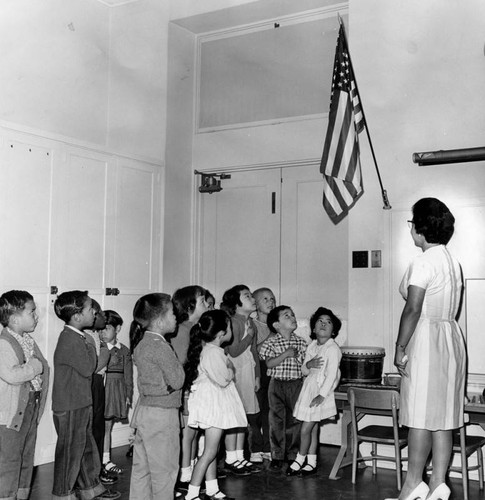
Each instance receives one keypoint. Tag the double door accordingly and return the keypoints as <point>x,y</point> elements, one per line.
<point>268,228</point>
<point>74,218</point>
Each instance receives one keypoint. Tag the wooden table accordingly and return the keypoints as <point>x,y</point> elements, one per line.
<point>475,412</point>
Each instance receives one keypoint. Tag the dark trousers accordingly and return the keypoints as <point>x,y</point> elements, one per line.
<point>76,464</point>
<point>259,434</point>
<point>17,449</point>
<point>285,429</point>
<point>98,413</point>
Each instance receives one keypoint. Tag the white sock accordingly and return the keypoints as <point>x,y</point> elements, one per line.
<point>311,461</point>
<point>298,462</point>
<point>185,474</point>
<point>192,493</point>
<point>231,457</point>
<point>106,457</point>
<point>240,455</point>
<point>211,487</point>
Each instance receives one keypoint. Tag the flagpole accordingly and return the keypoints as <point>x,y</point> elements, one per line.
<point>385,199</point>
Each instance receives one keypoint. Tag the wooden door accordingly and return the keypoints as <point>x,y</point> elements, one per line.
<point>240,233</point>
<point>313,272</point>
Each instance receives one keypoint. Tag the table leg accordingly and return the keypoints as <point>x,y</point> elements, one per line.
<point>344,456</point>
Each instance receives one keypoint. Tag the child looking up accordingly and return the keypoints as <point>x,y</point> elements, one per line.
<point>260,437</point>
<point>189,304</point>
<point>240,304</point>
<point>24,381</point>
<point>77,462</point>
<point>214,402</point>
<point>156,417</point>
<point>97,387</point>
<point>118,384</point>
<point>317,401</point>
<point>283,353</point>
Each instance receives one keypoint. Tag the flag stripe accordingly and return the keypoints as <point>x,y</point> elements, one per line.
<point>340,163</point>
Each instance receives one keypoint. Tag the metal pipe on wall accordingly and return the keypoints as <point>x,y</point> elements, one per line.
<point>449,156</point>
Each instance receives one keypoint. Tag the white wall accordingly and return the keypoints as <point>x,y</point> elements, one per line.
<point>419,67</point>
<point>85,71</point>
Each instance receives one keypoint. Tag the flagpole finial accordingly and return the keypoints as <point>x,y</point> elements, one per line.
<point>340,20</point>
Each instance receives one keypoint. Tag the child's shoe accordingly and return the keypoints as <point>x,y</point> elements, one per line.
<point>308,470</point>
<point>106,478</point>
<point>111,467</point>
<point>237,468</point>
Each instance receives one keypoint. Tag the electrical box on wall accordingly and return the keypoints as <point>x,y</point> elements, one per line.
<point>360,258</point>
<point>375,258</point>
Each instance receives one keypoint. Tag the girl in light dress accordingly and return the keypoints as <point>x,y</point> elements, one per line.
<point>239,303</point>
<point>189,304</point>
<point>118,383</point>
<point>214,403</point>
<point>317,401</point>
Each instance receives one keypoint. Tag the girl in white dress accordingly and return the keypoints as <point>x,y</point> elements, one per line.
<point>214,403</point>
<point>316,401</point>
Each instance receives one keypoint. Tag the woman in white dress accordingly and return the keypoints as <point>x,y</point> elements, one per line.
<point>316,401</point>
<point>214,403</point>
<point>430,351</point>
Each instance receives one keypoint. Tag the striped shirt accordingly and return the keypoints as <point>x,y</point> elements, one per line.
<point>289,368</point>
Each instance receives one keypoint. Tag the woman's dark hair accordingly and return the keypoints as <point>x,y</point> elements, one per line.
<point>13,302</point>
<point>113,318</point>
<point>231,299</point>
<point>433,219</point>
<point>184,301</point>
<point>209,325</point>
<point>323,311</point>
<point>147,309</point>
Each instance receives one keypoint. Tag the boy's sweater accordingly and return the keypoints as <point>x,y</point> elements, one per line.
<point>75,361</point>
<point>15,377</point>
<point>160,373</point>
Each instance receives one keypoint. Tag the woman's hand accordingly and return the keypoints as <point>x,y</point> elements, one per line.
<point>316,362</point>
<point>317,401</point>
<point>400,361</point>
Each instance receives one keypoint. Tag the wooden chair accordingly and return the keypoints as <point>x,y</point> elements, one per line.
<point>466,446</point>
<point>365,401</point>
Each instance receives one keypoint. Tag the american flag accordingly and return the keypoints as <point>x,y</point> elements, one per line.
<point>340,164</point>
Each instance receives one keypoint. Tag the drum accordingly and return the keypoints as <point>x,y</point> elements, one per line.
<point>362,365</point>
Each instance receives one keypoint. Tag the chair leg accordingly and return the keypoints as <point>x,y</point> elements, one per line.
<point>355,452</point>
<point>397,453</point>
<point>464,462</point>
<point>480,468</point>
<point>374,460</point>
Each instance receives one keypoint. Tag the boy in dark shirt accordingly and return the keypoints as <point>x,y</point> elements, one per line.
<point>77,462</point>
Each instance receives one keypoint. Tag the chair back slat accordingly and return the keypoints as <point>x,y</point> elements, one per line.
<point>373,399</point>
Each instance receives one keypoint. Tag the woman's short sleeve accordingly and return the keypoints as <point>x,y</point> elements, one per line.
<point>420,273</point>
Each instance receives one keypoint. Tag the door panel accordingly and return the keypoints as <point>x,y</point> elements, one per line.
<point>240,234</point>
<point>314,269</point>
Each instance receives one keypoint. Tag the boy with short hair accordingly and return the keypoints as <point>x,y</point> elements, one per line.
<point>284,353</point>
<point>259,438</point>
<point>24,381</point>
<point>77,462</point>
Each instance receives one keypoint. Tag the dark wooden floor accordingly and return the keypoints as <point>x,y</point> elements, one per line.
<point>269,485</point>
